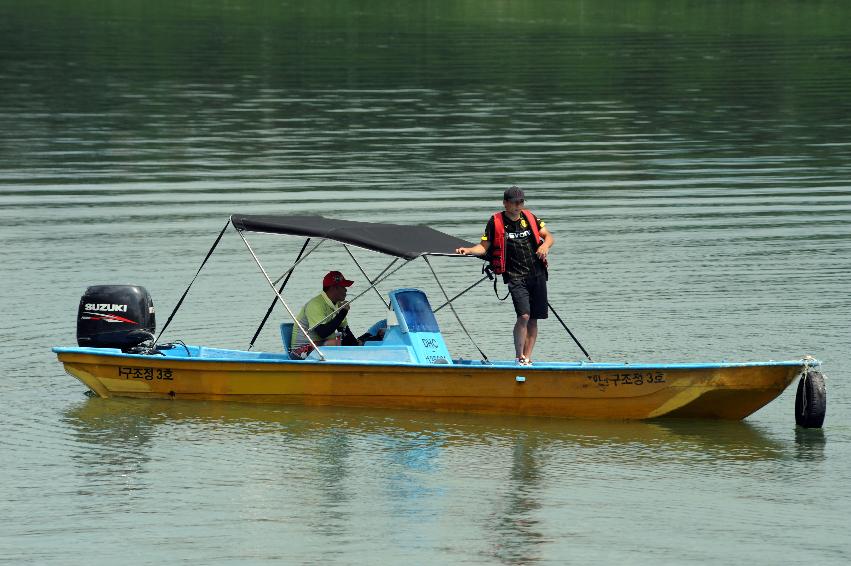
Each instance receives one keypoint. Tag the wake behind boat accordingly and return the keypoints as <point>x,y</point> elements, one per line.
<point>411,367</point>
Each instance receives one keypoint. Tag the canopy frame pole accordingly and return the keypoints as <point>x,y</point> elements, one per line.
<point>377,292</point>
<point>186,292</point>
<point>461,293</point>
<point>298,261</point>
<point>365,291</point>
<point>274,301</point>
<point>452,308</point>
<point>277,294</point>
<point>576,340</point>
<point>389,265</point>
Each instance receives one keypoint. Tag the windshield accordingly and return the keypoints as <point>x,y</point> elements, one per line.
<point>415,309</point>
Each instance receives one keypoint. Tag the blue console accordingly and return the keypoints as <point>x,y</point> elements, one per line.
<point>416,327</point>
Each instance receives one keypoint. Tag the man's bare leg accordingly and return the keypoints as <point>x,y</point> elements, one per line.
<point>531,337</point>
<point>520,334</point>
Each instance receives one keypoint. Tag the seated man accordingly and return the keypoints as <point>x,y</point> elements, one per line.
<point>329,328</point>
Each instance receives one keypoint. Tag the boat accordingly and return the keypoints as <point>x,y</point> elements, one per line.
<point>410,367</point>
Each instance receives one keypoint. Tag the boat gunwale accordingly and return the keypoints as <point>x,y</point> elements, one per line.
<point>476,365</point>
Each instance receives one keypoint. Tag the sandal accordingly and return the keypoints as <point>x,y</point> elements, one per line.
<point>523,361</point>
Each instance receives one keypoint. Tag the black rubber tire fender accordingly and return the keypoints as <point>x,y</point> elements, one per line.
<point>811,400</point>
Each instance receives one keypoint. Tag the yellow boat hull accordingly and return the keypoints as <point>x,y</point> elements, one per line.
<point>593,391</point>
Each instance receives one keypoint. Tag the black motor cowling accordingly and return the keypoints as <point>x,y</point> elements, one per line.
<point>115,316</point>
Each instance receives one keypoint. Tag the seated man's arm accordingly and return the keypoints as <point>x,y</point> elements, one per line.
<point>328,327</point>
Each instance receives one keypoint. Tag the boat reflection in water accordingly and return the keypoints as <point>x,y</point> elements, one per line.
<point>334,465</point>
<point>136,423</point>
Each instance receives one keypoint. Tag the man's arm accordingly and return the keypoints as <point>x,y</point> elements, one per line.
<point>483,246</point>
<point>544,248</point>
<point>325,329</point>
<point>479,249</point>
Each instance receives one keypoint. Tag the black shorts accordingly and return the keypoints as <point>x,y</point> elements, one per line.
<point>530,296</point>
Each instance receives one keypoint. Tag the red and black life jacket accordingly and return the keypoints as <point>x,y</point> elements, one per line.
<point>497,247</point>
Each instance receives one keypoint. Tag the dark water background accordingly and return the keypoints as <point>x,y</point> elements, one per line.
<point>691,158</point>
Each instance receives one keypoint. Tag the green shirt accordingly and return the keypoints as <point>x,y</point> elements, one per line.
<point>316,311</point>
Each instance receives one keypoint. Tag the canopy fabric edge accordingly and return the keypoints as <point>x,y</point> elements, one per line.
<point>399,240</point>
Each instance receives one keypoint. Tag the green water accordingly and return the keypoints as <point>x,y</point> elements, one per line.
<point>691,158</point>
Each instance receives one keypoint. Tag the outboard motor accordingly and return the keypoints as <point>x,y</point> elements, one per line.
<point>115,316</point>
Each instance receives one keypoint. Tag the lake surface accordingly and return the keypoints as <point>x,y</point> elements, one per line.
<point>692,159</point>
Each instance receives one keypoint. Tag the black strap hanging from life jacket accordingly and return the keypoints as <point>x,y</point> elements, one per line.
<point>488,270</point>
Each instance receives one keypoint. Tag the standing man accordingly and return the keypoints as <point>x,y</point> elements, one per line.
<point>516,244</point>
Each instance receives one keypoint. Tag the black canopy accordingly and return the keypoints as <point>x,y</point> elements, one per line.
<point>392,239</point>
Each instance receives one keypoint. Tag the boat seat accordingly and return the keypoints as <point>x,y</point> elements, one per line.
<point>287,334</point>
<point>224,353</point>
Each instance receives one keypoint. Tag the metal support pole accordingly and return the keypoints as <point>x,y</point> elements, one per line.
<point>186,292</point>
<point>351,255</point>
<point>569,332</point>
<point>461,293</point>
<point>281,290</point>
<point>280,298</point>
<point>458,318</point>
<point>290,270</point>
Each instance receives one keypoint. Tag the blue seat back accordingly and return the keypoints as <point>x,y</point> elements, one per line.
<point>287,335</point>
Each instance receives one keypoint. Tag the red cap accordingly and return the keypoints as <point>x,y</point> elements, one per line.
<point>335,278</point>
